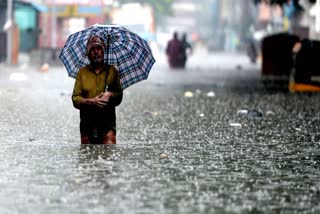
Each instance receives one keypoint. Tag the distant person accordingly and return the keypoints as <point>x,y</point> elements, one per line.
<point>186,50</point>
<point>174,51</point>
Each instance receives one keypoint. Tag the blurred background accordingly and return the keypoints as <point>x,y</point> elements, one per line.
<point>204,138</point>
<point>36,30</point>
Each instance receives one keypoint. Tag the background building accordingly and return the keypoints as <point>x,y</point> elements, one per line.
<point>25,24</point>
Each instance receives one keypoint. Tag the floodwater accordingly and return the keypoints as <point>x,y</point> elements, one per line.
<point>231,148</point>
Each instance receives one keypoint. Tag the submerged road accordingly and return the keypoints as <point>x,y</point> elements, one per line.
<point>232,146</point>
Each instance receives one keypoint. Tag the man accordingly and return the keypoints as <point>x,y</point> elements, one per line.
<point>174,51</point>
<point>97,91</point>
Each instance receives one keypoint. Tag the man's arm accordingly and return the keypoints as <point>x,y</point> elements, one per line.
<point>114,94</point>
<point>76,94</point>
<point>116,98</point>
<point>78,100</point>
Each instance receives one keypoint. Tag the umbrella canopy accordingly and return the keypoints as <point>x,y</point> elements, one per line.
<point>127,51</point>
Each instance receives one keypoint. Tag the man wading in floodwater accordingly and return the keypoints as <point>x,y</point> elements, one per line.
<point>97,91</point>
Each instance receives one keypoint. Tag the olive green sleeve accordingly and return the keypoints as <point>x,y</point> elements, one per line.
<point>115,87</point>
<point>77,92</point>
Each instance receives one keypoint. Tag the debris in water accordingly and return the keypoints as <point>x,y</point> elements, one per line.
<point>254,113</point>
<point>242,111</point>
<point>211,94</point>
<point>163,155</point>
<point>147,113</point>
<point>250,113</point>
<point>269,113</point>
<point>188,94</point>
<point>235,124</point>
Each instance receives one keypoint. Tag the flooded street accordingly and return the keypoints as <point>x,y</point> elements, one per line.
<point>231,146</point>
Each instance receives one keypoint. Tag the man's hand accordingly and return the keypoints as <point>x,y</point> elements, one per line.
<point>105,96</point>
<point>96,101</point>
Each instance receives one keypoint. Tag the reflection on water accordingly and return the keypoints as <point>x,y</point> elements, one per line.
<point>197,177</point>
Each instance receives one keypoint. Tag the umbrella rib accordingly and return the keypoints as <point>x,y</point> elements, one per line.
<point>128,52</point>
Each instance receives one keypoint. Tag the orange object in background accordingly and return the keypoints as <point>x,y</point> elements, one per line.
<point>15,44</point>
<point>300,87</point>
<point>305,76</point>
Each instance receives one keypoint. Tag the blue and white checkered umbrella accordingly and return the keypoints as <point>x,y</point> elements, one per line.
<point>127,51</point>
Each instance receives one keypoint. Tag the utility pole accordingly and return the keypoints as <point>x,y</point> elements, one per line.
<point>9,32</point>
<point>53,26</point>
<point>317,14</point>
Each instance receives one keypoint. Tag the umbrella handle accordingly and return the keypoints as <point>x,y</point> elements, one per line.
<point>108,44</point>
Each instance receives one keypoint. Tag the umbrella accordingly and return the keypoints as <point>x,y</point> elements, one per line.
<point>127,51</point>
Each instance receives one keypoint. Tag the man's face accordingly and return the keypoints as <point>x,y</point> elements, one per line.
<point>96,54</point>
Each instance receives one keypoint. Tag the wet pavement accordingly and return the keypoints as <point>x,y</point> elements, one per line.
<point>231,145</point>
